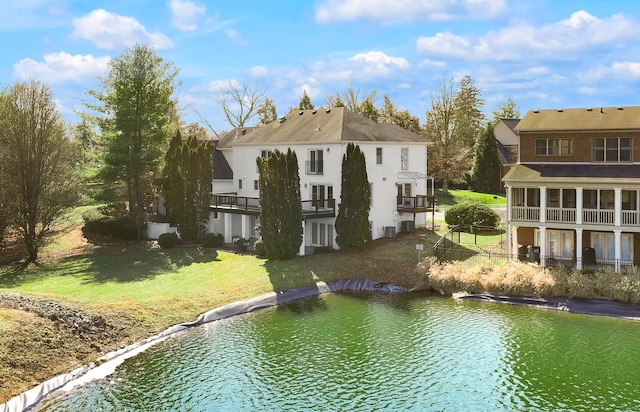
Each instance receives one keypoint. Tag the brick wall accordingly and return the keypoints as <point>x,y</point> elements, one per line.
<point>581,145</point>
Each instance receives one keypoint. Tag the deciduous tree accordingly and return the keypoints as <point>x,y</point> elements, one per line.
<point>352,222</point>
<point>135,106</point>
<point>39,163</point>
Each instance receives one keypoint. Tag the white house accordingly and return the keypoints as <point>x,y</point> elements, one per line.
<point>396,167</point>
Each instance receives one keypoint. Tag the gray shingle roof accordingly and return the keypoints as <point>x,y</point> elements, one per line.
<point>321,126</point>
<point>606,118</point>
<point>565,172</point>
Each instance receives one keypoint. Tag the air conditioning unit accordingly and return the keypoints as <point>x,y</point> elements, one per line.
<point>390,232</point>
<point>406,226</point>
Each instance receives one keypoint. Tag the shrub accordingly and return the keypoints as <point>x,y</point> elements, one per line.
<point>258,246</point>
<point>470,213</point>
<point>98,223</point>
<point>212,240</point>
<point>240,244</point>
<point>167,240</point>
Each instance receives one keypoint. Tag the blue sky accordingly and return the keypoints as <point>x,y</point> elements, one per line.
<point>541,54</point>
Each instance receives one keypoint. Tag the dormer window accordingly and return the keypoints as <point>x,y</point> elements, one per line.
<point>611,149</point>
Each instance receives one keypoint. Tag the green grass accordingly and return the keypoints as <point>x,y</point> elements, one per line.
<point>460,196</point>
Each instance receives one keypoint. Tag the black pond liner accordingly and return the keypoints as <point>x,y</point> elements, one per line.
<point>108,363</point>
<point>586,306</point>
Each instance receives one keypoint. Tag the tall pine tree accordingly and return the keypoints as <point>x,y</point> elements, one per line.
<point>352,223</point>
<point>280,205</point>
<point>485,176</point>
<point>188,174</point>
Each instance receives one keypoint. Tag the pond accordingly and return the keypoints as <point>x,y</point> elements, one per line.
<point>363,351</point>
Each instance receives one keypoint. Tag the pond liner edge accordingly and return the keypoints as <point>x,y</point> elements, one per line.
<point>583,306</point>
<point>109,362</point>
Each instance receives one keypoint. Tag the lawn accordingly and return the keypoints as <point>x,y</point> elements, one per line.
<point>460,196</point>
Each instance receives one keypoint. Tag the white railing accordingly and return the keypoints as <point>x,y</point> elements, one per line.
<point>630,218</point>
<point>604,217</point>
<point>558,214</point>
<point>528,213</point>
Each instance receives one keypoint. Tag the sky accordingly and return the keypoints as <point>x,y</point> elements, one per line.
<point>541,54</point>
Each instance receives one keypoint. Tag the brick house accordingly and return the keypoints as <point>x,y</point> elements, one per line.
<point>573,198</point>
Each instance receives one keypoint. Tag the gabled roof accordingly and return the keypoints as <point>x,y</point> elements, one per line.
<point>321,126</point>
<point>606,118</point>
<point>221,168</point>
<point>511,123</point>
<point>507,155</point>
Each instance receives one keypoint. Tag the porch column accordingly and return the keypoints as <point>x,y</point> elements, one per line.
<point>246,226</point>
<point>618,248</point>
<point>578,205</point>
<point>617,206</point>
<point>543,204</point>
<point>509,244</point>
<point>542,242</point>
<point>579,248</point>
<point>509,204</point>
<point>304,238</point>
<point>228,228</point>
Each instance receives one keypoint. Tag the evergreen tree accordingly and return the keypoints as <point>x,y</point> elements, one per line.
<point>508,110</point>
<point>352,222</point>
<point>188,174</point>
<point>305,102</point>
<point>135,109</point>
<point>486,175</point>
<point>280,205</point>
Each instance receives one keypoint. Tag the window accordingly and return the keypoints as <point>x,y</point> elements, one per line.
<point>554,147</point>
<point>560,243</point>
<point>264,154</point>
<point>321,234</point>
<point>239,184</point>
<point>404,158</point>
<point>598,199</point>
<point>378,155</point>
<point>321,195</point>
<point>604,245</point>
<point>256,185</point>
<point>629,200</point>
<point>611,149</point>
<point>315,165</point>
<point>565,198</point>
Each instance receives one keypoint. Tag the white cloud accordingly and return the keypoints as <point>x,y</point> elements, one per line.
<point>379,64</point>
<point>258,71</point>
<point>631,69</point>
<point>581,33</point>
<point>236,37</point>
<point>113,31</point>
<point>185,15</point>
<point>407,11</point>
<point>62,67</point>
<point>590,91</point>
<point>218,85</point>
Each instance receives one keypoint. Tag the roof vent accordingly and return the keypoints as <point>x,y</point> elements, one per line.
<point>237,135</point>
<point>301,112</point>
<point>601,111</point>
<point>327,111</point>
<point>317,129</point>
<point>560,110</point>
<point>619,108</point>
<point>536,111</point>
<point>282,119</point>
<point>314,111</point>
<point>244,131</point>
<point>589,110</point>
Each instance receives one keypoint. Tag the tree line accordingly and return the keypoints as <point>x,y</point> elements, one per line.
<point>130,140</point>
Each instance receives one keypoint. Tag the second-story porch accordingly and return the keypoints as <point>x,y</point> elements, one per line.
<point>576,206</point>
<point>415,204</point>
<point>232,203</point>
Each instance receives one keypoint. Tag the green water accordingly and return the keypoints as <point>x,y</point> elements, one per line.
<point>381,352</point>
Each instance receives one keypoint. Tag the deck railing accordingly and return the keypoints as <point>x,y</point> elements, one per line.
<point>251,205</point>
<point>569,215</point>
<point>415,204</point>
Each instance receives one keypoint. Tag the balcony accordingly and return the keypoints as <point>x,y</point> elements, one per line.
<point>314,167</point>
<point>415,204</point>
<point>568,215</point>
<point>229,203</point>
